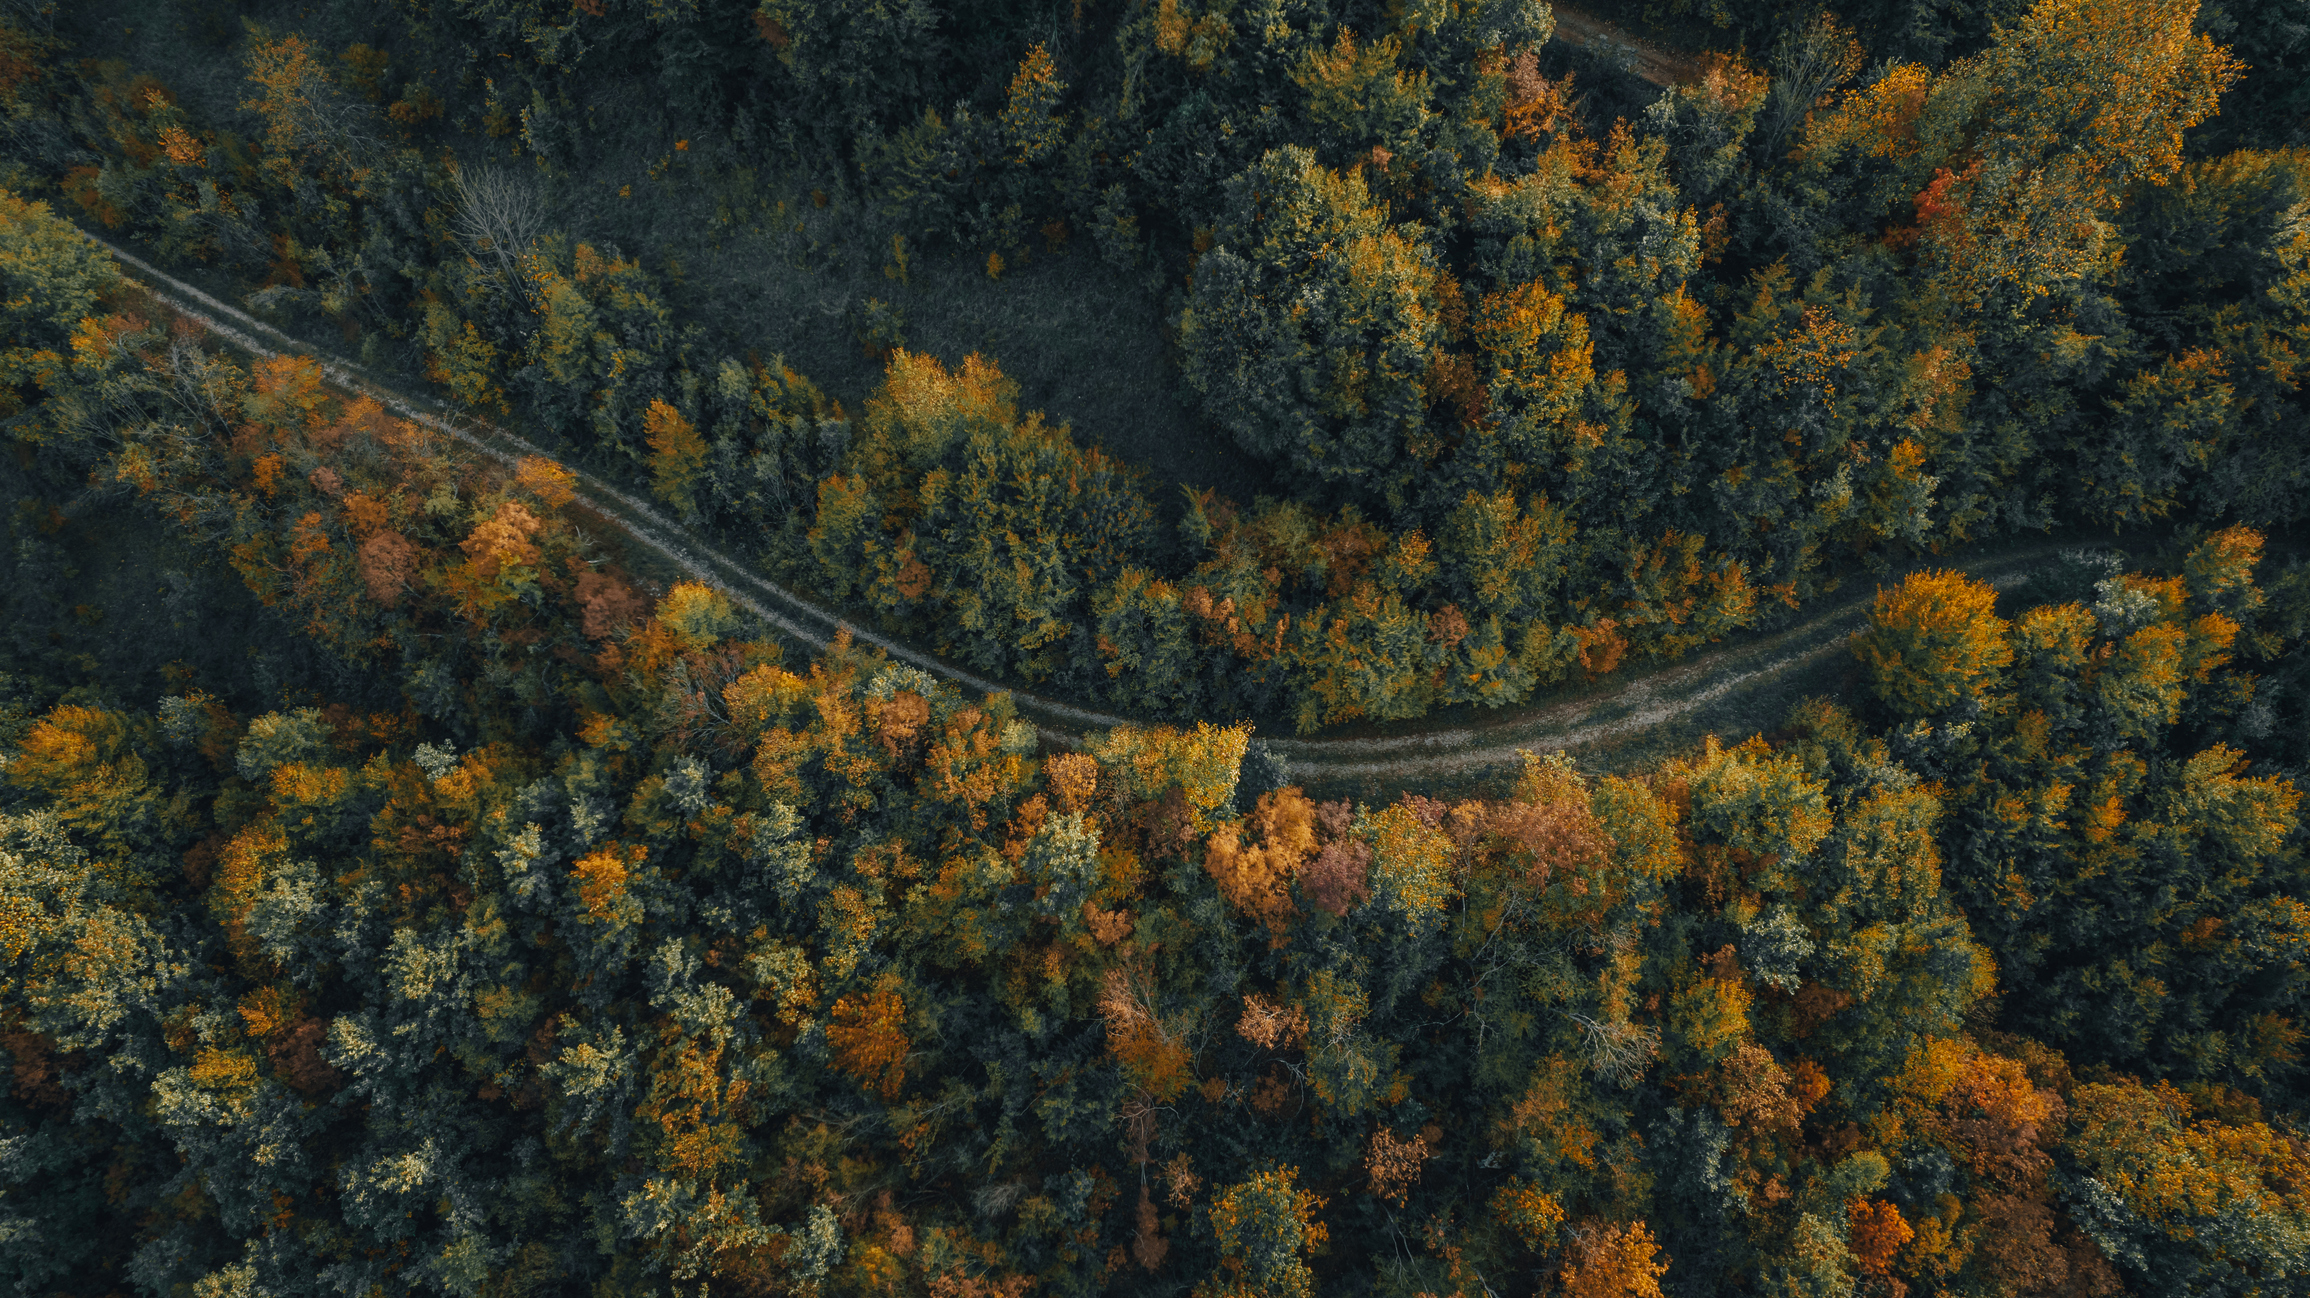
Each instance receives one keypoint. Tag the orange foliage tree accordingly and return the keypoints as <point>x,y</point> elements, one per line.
<point>1612,1261</point>
<point>868,1034</point>
<point>677,454</point>
<point>1256,879</point>
<point>1933,640</point>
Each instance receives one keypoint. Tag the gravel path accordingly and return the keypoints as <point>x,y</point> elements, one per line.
<point>1660,66</point>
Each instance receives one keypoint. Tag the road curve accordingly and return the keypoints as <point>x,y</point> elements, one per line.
<point>1450,750</point>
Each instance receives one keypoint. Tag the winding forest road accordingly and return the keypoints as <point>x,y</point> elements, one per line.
<point>1671,696</point>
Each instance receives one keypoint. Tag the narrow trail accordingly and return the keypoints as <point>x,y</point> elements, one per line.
<point>1631,706</point>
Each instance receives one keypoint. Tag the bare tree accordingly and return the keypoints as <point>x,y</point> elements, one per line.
<point>499,213</point>
<point>1810,62</point>
<point>1617,1050</point>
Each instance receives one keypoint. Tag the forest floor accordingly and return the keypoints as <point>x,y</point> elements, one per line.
<point>1629,720</point>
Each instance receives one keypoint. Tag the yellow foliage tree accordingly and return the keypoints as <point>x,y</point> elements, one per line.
<point>85,759</point>
<point>677,454</point>
<point>1361,94</point>
<point>1530,1212</point>
<point>1146,762</point>
<point>1411,866</point>
<point>601,882</point>
<point>553,485</point>
<point>2078,100</point>
<point>1030,127</point>
<point>2197,1182</point>
<point>1609,1261</point>
<point>1264,1226</point>
<point>460,359</point>
<point>309,129</point>
<point>1933,640</point>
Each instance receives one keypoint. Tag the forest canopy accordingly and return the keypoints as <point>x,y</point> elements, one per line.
<point>410,884</point>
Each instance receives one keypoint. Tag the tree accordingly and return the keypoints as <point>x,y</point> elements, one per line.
<point>1311,324</point>
<point>1873,940</point>
<point>50,282</point>
<point>677,453</point>
<point>1256,878</point>
<point>993,530</point>
<point>2213,282</point>
<point>1030,124</point>
<point>1145,642</point>
<point>1933,641</point>
<point>868,1034</point>
<point>1411,874</point>
<point>309,125</point>
<point>1360,99</point>
<point>87,763</point>
<point>2199,1203</point>
<point>1202,764</point>
<point>1372,655</point>
<point>1263,1226</point>
<point>1612,1261</point>
<point>2075,102</point>
<point>499,214</point>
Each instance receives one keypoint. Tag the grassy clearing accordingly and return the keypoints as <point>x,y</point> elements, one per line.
<point>783,275</point>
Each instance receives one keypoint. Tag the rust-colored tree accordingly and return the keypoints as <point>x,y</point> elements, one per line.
<point>677,455</point>
<point>868,1034</point>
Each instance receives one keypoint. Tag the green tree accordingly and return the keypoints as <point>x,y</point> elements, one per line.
<point>1263,1226</point>
<point>1312,322</point>
<point>50,282</point>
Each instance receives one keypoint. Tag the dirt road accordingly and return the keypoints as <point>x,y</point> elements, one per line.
<point>1661,67</point>
<point>1632,705</point>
